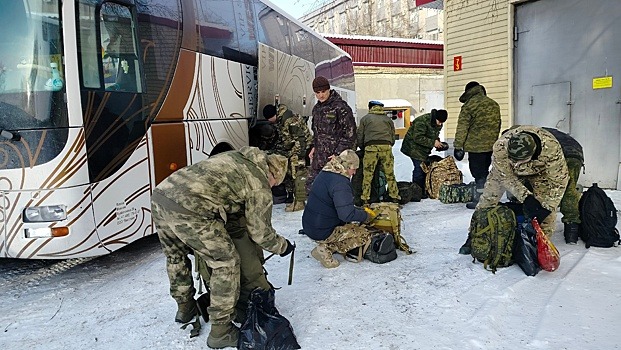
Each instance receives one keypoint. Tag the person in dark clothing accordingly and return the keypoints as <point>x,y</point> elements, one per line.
<point>330,216</point>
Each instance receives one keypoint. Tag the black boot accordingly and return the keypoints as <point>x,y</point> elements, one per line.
<point>465,249</point>
<point>572,231</point>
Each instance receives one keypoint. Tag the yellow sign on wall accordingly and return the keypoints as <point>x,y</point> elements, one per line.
<point>602,83</point>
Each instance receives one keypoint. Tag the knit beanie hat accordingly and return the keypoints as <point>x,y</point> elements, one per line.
<point>320,84</point>
<point>349,159</point>
<point>471,85</point>
<point>521,146</point>
<point>277,166</point>
<point>269,111</point>
<point>438,114</point>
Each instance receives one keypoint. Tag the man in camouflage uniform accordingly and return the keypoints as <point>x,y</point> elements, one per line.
<point>478,126</point>
<point>422,135</point>
<point>376,136</point>
<point>334,127</point>
<point>294,141</point>
<point>574,156</point>
<point>216,209</point>
<point>528,162</point>
<point>330,217</point>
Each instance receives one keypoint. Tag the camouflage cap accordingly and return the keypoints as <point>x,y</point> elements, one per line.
<point>277,166</point>
<point>521,146</point>
<point>349,159</point>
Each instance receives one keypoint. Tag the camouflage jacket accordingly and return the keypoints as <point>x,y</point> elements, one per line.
<point>231,183</point>
<point>420,138</point>
<point>376,128</point>
<point>547,172</point>
<point>478,124</point>
<point>334,128</point>
<point>295,137</point>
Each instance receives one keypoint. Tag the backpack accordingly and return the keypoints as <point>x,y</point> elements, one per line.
<point>442,172</point>
<point>598,217</point>
<point>492,234</point>
<point>379,249</point>
<point>389,220</point>
<point>457,193</point>
<point>409,192</point>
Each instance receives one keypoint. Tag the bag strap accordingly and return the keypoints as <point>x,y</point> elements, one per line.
<point>361,251</point>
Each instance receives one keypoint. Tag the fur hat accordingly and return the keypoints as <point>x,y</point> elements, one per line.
<point>349,159</point>
<point>320,84</point>
<point>277,166</point>
<point>470,85</point>
<point>521,146</point>
<point>269,111</point>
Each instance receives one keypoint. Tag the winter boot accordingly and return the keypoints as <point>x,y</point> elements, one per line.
<point>477,194</point>
<point>186,311</point>
<point>465,249</point>
<point>572,231</point>
<point>324,255</point>
<point>223,336</point>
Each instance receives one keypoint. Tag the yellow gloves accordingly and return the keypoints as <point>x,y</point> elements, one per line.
<point>371,213</point>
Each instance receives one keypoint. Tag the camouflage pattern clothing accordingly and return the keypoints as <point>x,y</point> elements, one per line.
<point>347,237</point>
<point>376,135</point>
<point>478,124</point>
<point>294,143</point>
<point>191,211</point>
<point>334,130</point>
<point>421,137</point>
<point>546,174</point>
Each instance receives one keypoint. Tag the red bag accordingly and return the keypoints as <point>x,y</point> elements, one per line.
<point>547,254</point>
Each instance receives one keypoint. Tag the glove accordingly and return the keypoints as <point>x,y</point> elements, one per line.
<point>289,249</point>
<point>533,209</point>
<point>444,147</point>
<point>459,154</point>
<point>371,213</point>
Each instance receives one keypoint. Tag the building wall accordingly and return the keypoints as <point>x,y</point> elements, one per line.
<point>390,18</point>
<point>480,32</point>
<point>422,87</point>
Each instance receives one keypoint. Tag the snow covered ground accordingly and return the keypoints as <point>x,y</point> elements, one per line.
<point>433,299</point>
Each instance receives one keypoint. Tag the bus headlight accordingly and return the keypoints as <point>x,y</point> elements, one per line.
<point>46,213</point>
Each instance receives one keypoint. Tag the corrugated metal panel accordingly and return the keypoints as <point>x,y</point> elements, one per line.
<point>381,53</point>
<point>478,31</point>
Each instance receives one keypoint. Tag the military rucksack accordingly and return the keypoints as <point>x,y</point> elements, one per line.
<point>598,217</point>
<point>492,233</point>
<point>457,193</point>
<point>442,172</point>
<point>389,220</point>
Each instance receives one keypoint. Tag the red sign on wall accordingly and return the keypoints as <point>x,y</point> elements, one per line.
<point>457,63</point>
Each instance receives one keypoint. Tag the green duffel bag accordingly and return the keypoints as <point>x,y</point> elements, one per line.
<point>457,193</point>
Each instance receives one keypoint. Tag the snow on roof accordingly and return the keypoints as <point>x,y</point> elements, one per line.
<point>382,38</point>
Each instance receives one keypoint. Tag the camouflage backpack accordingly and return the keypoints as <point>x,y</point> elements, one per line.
<point>442,172</point>
<point>492,231</point>
<point>389,220</point>
<point>457,193</point>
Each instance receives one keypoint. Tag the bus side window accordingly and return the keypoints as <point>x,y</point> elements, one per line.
<point>121,66</point>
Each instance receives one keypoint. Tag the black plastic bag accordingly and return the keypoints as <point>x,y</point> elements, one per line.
<point>525,249</point>
<point>265,328</point>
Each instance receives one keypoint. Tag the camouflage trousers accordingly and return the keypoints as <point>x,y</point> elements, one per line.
<point>182,234</point>
<point>347,237</point>
<point>375,155</point>
<point>295,180</point>
<point>571,197</point>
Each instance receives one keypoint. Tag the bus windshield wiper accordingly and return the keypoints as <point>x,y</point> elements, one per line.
<point>10,135</point>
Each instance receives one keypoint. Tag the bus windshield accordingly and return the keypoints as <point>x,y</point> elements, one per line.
<point>31,66</point>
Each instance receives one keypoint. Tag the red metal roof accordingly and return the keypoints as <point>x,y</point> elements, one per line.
<point>391,52</point>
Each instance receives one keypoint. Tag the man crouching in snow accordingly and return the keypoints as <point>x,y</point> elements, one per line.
<point>330,216</point>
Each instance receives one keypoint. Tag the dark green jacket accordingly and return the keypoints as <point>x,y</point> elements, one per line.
<point>420,138</point>
<point>478,125</point>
